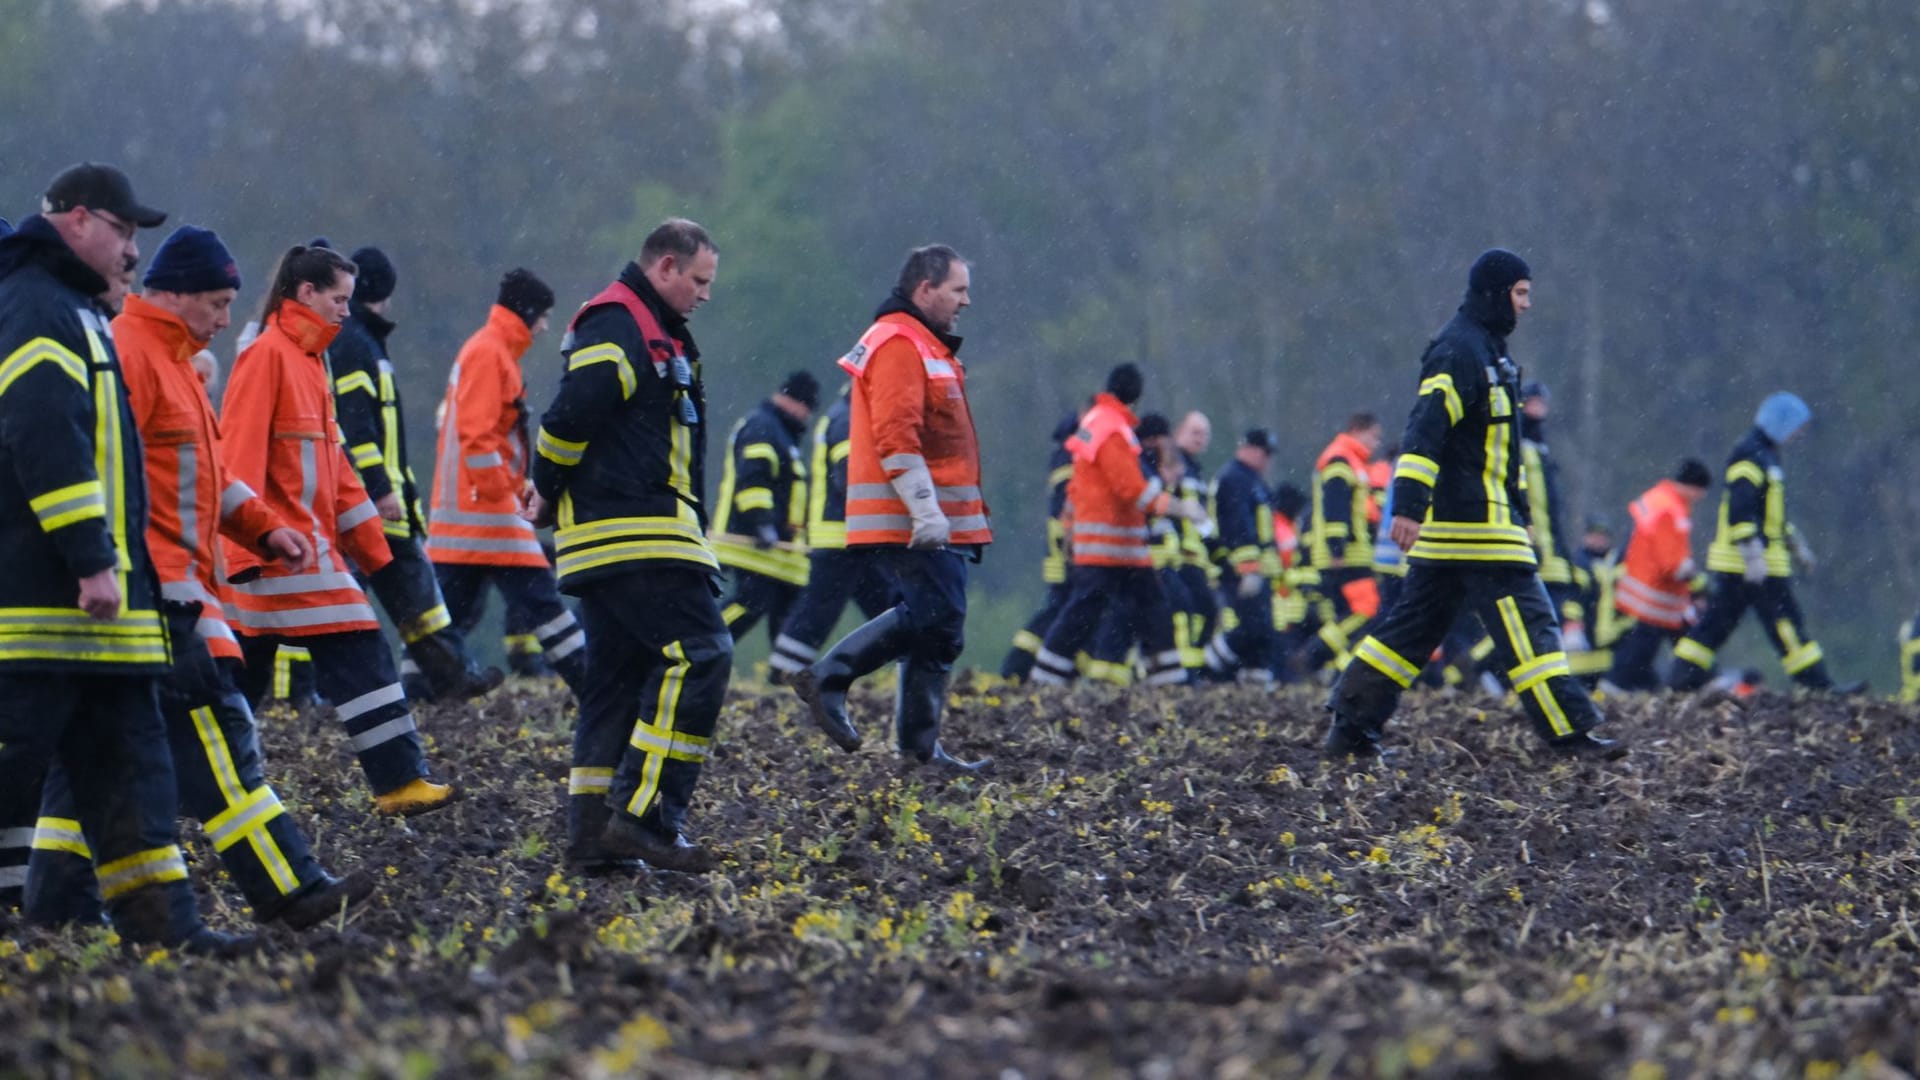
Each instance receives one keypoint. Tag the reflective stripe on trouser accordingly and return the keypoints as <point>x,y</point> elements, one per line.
<point>532,599</point>
<point>355,672</point>
<point>756,597</point>
<point>292,674</point>
<point>1251,640</point>
<point>1026,643</point>
<point>1339,626</point>
<point>1127,604</point>
<point>834,576</point>
<point>658,660</point>
<point>1728,598</point>
<point>107,735</point>
<point>1521,622</point>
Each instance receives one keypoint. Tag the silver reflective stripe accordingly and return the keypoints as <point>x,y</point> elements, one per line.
<point>871,491</point>
<point>13,877</point>
<point>80,648</point>
<point>450,444</point>
<point>856,522</point>
<point>476,518</point>
<point>186,592</point>
<point>484,461</point>
<point>903,461</point>
<point>966,521</point>
<point>325,581</point>
<point>234,497</point>
<point>18,837</point>
<point>398,728</point>
<point>1167,678</point>
<point>558,624</point>
<point>1113,551</point>
<point>212,629</point>
<point>1154,488</point>
<point>567,646</point>
<point>794,647</point>
<point>966,493</point>
<point>309,486</point>
<point>266,806</point>
<point>293,620</point>
<point>189,518</point>
<point>366,703</point>
<point>518,546</point>
<point>357,515</point>
<point>1095,528</point>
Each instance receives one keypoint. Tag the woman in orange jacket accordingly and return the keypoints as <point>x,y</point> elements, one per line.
<point>282,441</point>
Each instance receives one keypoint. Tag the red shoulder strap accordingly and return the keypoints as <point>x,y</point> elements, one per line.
<point>650,329</point>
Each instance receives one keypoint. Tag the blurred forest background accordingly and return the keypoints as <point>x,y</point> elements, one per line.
<point>1269,204</point>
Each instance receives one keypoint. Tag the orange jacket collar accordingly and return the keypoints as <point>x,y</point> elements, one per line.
<point>163,326</point>
<point>1344,446</point>
<point>1111,402</point>
<point>513,330</point>
<point>304,327</point>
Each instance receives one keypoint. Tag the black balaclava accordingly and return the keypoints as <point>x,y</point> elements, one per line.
<point>1489,287</point>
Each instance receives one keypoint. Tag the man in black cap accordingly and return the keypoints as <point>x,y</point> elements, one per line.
<point>84,640</point>
<point>1243,545</point>
<point>437,664</point>
<point>1461,515</point>
<point>759,520</point>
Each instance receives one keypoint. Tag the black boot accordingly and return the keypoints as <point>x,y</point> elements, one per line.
<point>1587,744</point>
<point>918,705</point>
<point>322,900</point>
<point>587,817</point>
<point>628,837</point>
<point>1349,739</point>
<point>164,915</point>
<point>823,684</point>
<point>451,675</point>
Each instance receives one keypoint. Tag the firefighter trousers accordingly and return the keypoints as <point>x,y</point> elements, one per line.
<point>105,733</point>
<point>1253,643</point>
<point>1636,653</point>
<point>834,576</point>
<point>1728,598</point>
<point>354,670</point>
<point>1201,615</point>
<point>1130,599</point>
<point>1338,623</point>
<point>534,607</point>
<point>219,771</point>
<point>658,660</point>
<point>1026,643</point>
<point>408,589</point>
<point>756,597</point>
<point>1526,646</point>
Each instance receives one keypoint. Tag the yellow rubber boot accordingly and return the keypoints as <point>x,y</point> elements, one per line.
<point>418,796</point>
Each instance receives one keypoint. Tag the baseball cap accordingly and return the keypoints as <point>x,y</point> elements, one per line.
<point>100,187</point>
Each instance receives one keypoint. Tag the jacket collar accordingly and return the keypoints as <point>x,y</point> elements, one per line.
<point>511,329</point>
<point>898,303</point>
<point>1346,446</point>
<point>794,426</point>
<point>378,325</point>
<point>674,323</point>
<point>37,243</point>
<point>1104,400</point>
<point>308,332</point>
<point>162,326</point>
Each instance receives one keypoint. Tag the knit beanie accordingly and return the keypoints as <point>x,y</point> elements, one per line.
<point>1125,383</point>
<point>1496,271</point>
<point>802,387</point>
<point>192,260</point>
<point>524,294</point>
<point>1152,426</point>
<point>1693,473</point>
<point>376,278</point>
<point>1781,415</point>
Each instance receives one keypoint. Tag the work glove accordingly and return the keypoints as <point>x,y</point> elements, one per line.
<point>930,526</point>
<point>766,536</point>
<point>1687,571</point>
<point>1205,528</point>
<point>1754,554</point>
<point>1802,551</point>
<point>1190,510</point>
<point>1250,585</point>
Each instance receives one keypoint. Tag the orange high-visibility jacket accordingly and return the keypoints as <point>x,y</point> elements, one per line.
<point>483,453</point>
<point>282,441</point>
<point>191,497</point>
<point>910,408</point>
<point>1650,588</point>
<point>1110,498</point>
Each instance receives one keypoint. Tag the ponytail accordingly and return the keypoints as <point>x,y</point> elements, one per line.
<point>317,266</point>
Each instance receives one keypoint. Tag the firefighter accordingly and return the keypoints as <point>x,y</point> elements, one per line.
<point>760,520</point>
<point>190,288</point>
<point>1460,514</point>
<point>1196,568</point>
<point>1339,546</point>
<point>437,664</point>
<point>1053,567</point>
<point>620,464</point>
<point>1544,504</point>
<point>1654,589</point>
<point>84,638</point>
<point>1112,502</point>
<point>281,441</point>
<point>914,507</point>
<point>834,575</point>
<point>1292,580</point>
<point>477,539</point>
<point>1110,657</point>
<point>1750,562</point>
<point>1244,543</point>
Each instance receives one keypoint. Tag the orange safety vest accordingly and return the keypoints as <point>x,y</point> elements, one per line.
<point>283,441</point>
<point>1650,589</point>
<point>483,453</point>
<point>192,499</point>
<point>1110,498</point>
<point>910,408</point>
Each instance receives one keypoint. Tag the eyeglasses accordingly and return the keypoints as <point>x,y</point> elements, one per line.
<point>124,228</point>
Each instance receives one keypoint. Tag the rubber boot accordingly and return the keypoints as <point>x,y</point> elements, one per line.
<point>450,674</point>
<point>823,684</point>
<point>587,817</point>
<point>1587,744</point>
<point>322,900</point>
<point>628,837</point>
<point>1349,739</point>
<point>164,915</point>
<point>417,796</point>
<point>918,704</point>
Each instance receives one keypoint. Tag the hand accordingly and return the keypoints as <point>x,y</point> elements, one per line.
<point>537,510</point>
<point>291,548</point>
<point>1404,532</point>
<point>931,529</point>
<point>765,537</point>
<point>100,595</point>
<point>1250,586</point>
<point>1687,572</point>
<point>1190,509</point>
<point>930,533</point>
<point>1802,551</point>
<point>389,507</point>
<point>1753,553</point>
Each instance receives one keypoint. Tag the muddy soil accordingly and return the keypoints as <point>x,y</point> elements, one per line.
<point>1161,884</point>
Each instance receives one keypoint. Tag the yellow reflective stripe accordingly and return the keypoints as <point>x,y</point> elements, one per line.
<point>1413,467</point>
<point>75,502</point>
<point>61,834</point>
<point>791,567</point>
<point>680,461</point>
<point>154,866</point>
<point>1443,384</point>
<point>366,456</point>
<point>219,756</point>
<point>1693,653</point>
<point>1802,658</point>
<point>609,528</point>
<point>1749,471</point>
<point>1545,667</point>
<point>761,450</point>
<point>606,353</point>
<point>664,711</point>
<point>1538,670</point>
<point>1387,662</point>
<point>590,780</point>
<point>1743,530</point>
<point>634,551</point>
<point>41,350</point>
<point>354,380</point>
<point>1471,530</point>
<point>754,499</point>
<point>431,621</point>
<point>558,450</point>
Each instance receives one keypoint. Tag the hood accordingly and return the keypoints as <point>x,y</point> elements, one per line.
<point>378,325</point>
<point>37,242</point>
<point>898,302</point>
<point>1491,310</point>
